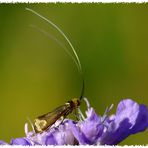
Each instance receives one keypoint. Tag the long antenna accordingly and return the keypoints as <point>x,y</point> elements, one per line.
<point>57,41</point>
<point>70,44</point>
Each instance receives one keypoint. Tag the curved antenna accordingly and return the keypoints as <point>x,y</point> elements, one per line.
<point>57,41</point>
<point>62,33</point>
<point>66,38</point>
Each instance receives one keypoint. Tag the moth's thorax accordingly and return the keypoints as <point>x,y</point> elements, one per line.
<point>74,103</point>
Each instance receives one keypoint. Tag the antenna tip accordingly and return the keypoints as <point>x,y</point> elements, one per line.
<point>28,9</point>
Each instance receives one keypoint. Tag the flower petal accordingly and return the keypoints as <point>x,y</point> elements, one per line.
<point>50,140</point>
<point>64,135</point>
<point>92,126</point>
<point>130,118</point>
<point>81,138</point>
<point>89,130</point>
<point>141,121</point>
<point>3,143</point>
<point>20,141</point>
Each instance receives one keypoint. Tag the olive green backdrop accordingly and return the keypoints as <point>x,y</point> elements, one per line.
<point>37,75</point>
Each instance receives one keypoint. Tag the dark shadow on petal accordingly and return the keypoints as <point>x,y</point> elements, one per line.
<point>79,135</point>
<point>50,140</point>
<point>141,121</point>
<point>114,137</point>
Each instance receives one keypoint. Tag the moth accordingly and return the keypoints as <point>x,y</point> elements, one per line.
<point>44,122</point>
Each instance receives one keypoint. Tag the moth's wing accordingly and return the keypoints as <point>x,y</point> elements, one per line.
<point>57,111</point>
<point>56,114</point>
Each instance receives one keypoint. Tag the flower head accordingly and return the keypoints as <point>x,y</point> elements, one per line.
<point>130,118</point>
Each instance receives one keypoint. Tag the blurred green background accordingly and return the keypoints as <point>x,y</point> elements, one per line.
<point>37,75</point>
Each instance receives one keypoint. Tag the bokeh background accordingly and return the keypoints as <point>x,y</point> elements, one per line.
<point>37,75</point>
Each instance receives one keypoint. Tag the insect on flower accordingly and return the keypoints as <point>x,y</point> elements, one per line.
<point>44,122</point>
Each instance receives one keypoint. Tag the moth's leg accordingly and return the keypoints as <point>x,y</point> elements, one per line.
<point>64,116</point>
<point>62,119</point>
<point>77,115</point>
<point>60,122</point>
<point>54,126</point>
<point>80,114</point>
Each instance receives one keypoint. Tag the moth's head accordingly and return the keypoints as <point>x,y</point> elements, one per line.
<point>75,102</point>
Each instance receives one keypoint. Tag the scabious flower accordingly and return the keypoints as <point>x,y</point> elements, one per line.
<point>130,118</point>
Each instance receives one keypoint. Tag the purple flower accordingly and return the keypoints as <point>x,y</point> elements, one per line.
<point>130,118</point>
<point>61,135</point>
<point>3,142</point>
<point>88,131</point>
<point>20,141</point>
